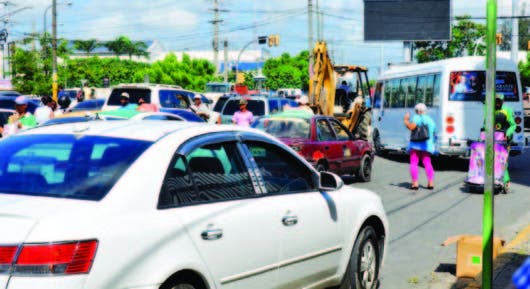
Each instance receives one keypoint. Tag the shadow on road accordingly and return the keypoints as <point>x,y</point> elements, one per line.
<point>440,163</point>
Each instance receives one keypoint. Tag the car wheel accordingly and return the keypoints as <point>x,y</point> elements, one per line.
<point>364,173</point>
<point>178,285</point>
<point>363,268</point>
<point>377,144</point>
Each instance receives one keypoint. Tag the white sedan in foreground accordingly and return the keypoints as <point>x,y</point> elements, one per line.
<point>175,205</point>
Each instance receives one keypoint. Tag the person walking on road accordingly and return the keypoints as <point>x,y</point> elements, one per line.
<point>421,145</point>
<point>244,116</point>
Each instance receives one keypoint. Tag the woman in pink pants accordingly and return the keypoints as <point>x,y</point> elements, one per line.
<point>421,150</point>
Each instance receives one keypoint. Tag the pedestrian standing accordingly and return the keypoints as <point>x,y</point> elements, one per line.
<point>44,112</point>
<point>421,145</point>
<point>21,119</point>
<point>87,92</point>
<point>244,116</point>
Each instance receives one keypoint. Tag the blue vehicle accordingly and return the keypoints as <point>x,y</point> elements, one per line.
<point>89,104</point>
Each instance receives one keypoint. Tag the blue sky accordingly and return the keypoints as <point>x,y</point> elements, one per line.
<point>181,24</point>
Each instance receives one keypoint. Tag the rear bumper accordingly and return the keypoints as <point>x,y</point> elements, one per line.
<point>47,282</point>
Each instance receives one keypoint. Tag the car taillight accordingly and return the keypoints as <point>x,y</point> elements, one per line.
<point>7,254</point>
<point>56,258</point>
<point>518,120</point>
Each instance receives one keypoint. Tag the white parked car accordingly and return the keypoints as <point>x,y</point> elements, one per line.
<point>178,205</point>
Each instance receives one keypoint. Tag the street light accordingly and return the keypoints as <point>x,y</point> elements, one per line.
<point>44,27</point>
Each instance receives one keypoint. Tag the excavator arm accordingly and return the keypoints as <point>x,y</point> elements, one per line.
<point>322,81</point>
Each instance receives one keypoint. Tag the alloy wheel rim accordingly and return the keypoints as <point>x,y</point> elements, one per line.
<point>367,265</point>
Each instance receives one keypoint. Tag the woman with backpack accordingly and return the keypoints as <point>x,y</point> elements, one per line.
<point>421,145</point>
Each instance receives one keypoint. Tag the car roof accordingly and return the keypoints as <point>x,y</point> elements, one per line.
<point>147,130</point>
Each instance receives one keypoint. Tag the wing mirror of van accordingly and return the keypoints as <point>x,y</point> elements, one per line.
<point>330,181</point>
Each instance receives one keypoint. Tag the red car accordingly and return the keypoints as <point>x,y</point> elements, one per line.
<point>323,141</point>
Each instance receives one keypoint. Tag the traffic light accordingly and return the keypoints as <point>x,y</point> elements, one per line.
<point>498,38</point>
<point>274,40</point>
<point>262,39</point>
<point>528,44</point>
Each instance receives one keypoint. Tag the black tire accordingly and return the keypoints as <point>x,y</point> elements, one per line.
<point>377,144</point>
<point>365,255</point>
<point>364,174</point>
<point>178,285</point>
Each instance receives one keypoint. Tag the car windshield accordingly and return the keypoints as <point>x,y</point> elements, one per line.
<point>65,166</point>
<point>284,127</point>
<point>470,85</point>
<point>134,95</point>
<point>256,106</point>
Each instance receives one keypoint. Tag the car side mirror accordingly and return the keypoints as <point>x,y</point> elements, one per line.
<point>330,181</point>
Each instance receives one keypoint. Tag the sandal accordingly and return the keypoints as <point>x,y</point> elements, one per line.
<point>430,188</point>
<point>414,188</point>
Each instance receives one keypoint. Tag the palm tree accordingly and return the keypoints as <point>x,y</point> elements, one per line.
<point>137,48</point>
<point>119,46</point>
<point>86,45</point>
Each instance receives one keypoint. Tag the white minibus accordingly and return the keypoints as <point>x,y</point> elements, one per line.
<point>454,92</point>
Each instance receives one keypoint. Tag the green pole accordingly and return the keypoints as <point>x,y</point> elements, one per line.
<point>489,182</point>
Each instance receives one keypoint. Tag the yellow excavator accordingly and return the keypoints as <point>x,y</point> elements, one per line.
<point>347,105</point>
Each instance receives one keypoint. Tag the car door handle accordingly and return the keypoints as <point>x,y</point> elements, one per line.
<point>290,220</point>
<point>212,234</point>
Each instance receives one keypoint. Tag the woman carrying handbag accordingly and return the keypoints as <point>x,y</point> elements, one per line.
<point>421,145</point>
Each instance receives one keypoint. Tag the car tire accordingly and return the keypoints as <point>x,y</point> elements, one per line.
<point>377,144</point>
<point>178,285</point>
<point>363,268</point>
<point>364,174</point>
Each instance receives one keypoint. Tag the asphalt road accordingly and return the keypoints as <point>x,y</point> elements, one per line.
<point>421,220</point>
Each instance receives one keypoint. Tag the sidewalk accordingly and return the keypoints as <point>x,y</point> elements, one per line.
<point>511,258</point>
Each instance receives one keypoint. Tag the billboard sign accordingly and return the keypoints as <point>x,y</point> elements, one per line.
<point>407,20</point>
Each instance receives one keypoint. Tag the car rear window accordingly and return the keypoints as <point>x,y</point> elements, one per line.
<point>134,95</point>
<point>65,166</point>
<point>175,98</point>
<point>219,104</point>
<point>256,106</point>
<point>284,127</point>
<point>89,105</point>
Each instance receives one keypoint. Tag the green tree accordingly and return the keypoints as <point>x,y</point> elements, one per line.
<point>287,71</point>
<point>466,40</point>
<point>119,46</point>
<point>189,73</point>
<point>86,46</point>
<point>139,49</point>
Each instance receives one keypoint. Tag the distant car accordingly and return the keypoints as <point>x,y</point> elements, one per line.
<point>175,205</point>
<point>88,105</point>
<point>163,96</point>
<point>323,141</point>
<point>8,102</point>
<point>11,93</point>
<point>108,115</point>
<point>258,105</point>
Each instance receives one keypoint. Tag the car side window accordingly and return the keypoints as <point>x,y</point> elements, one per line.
<point>281,171</point>
<point>324,132</point>
<point>340,131</point>
<point>208,174</point>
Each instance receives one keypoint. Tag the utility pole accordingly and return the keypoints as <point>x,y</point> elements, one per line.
<point>310,26</point>
<point>225,44</point>
<point>54,50</point>
<point>515,31</point>
<point>215,43</point>
<point>319,38</point>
